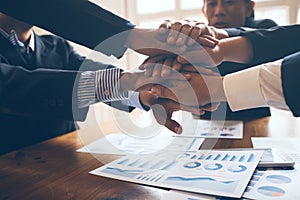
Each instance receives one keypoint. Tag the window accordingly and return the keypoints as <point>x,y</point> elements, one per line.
<point>151,13</point>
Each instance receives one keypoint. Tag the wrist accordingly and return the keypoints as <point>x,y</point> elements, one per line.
<point>147,99</point>
<point>220,33</point>
<point>236,49</point>
<point>217,91</point>
<point>127,82</point>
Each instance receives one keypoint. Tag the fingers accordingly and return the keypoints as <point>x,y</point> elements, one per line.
<point>176,65</point>
<point>192,109</point>
<point>160,66</point>
<point>211,107</point>
<point>194,34</point>
<point>151,60</point>
<point>163,92</point>
<point>200,57</point>
<point>200,70</point>
<point>163,28</point>
<point>207,41</point>
<point>162,111</point>
<point>183,35</point>
<point>166,68</point>
<point>173,125</point>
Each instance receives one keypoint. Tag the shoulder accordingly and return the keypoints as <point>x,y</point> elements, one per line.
<point>261,23</point>
<point>52,40</point>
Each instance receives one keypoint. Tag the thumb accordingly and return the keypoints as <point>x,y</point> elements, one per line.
<point>163,117</point>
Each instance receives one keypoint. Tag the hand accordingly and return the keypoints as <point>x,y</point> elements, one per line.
<point>197,32</point>
<point>164,108</point>
<point>199,91</point>
<point>139,82</point>
<point>151,42</point>
<point>203,56</point>
<point>162,66</point>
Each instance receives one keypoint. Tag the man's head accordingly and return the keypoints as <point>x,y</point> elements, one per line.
<point>227,13</point>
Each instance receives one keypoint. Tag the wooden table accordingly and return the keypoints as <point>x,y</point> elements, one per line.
<point>54,170</point>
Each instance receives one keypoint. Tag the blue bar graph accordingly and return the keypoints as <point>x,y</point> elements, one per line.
<point>242,158</point>
<point>201,157</point>
<point>144,165</point>
<point>225,158</point>
<point>157,165</point>
<point>122,162</point>
<point>233,158</point>
<point>251,157</point>
<point>208,157</point>
<point>134,163</point>
<point>217,157</point>
<point>168,166</point>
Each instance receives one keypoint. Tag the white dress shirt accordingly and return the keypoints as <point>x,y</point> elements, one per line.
<point>258,86</point>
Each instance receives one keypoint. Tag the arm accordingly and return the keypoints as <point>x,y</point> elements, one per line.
<point>290,82</point>
<point>84,22</point>
<point>40,96</point>
<point>88,24</point>
<point>272,84</point>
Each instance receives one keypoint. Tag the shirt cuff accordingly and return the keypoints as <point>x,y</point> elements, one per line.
<point>242,89</point>
<point>134,100</point>
<point>86,92</point>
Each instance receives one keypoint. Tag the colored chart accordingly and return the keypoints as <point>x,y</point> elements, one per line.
<point>279,179</point>
<point>208,171</point>
<point>192,165</point>
<point>213,167</point>
<point>237,169</point>
<point>271,191</point>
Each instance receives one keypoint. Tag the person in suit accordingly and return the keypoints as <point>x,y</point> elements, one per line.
<point>234,14</point>
<point>32,106</point>
<point>87,24</point>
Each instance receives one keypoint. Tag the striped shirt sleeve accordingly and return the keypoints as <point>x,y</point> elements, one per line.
<point>100,86</point>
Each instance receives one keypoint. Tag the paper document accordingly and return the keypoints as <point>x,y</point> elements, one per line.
<point>279,183</point>
<point>222,173</point>
<point>124,145</point>
<point>214,129</point>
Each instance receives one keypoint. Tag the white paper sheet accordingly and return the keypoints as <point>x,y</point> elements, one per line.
<point>276,183</point>
<point>124,145</point>
<point>214,129</point>
<point>222,173</point>
<point>289,145</point>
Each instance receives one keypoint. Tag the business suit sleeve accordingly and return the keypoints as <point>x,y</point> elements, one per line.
<point>274,43</point>
<point>78,62</point>
<point>41,92</point>
<point>80,21</point>
<point>290,72</point>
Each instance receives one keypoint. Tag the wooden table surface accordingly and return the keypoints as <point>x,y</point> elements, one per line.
<point>54,170</point>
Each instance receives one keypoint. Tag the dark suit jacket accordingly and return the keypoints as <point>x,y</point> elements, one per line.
<point>36,93</point>
<point>48,92</point>
<point>277,43</point>
<point>224,111</point>
<point>77,20</point>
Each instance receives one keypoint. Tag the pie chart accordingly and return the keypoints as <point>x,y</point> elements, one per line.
<point>271,191</point>
<point>237,169</point>
<point>213,167</point>
<point>279,179</point>
<point>191,165</point>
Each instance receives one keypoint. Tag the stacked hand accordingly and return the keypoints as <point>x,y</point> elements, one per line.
<point>174,74</point>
